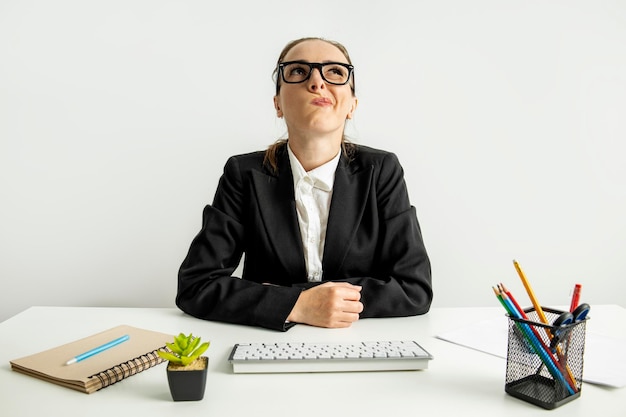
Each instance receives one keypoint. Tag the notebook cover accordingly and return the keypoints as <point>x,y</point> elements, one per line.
<point>101,370</point>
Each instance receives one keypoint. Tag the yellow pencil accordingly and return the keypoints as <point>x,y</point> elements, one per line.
<point>531,294</point>
<point>541,314</point>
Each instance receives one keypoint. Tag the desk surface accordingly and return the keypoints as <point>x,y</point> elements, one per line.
<point>459,380</point>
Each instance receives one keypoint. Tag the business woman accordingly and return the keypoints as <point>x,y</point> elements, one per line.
<point>326,226</point>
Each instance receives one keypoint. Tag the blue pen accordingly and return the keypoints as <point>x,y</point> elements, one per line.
<point>97,350</point>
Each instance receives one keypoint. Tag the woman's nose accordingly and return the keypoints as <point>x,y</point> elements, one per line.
<point>315,80</point>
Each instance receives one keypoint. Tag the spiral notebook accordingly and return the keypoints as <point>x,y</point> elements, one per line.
<point>101,370</point>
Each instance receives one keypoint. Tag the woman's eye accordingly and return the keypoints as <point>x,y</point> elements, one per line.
<point>336,71</point>
<point>296,70</point>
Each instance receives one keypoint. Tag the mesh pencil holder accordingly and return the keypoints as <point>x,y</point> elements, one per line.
<point>544,363</point>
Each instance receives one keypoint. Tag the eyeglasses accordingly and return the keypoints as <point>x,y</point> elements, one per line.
<point>294,72</point>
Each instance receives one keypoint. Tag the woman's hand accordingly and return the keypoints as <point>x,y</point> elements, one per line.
<point>332,304</point>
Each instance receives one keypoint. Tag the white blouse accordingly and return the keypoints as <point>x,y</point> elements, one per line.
<point>313,191</point>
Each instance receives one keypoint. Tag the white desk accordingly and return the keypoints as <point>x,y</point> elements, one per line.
<point>459,381</point>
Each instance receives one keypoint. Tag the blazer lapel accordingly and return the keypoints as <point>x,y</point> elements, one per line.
<point>278,210</point>
<point>350,191</point>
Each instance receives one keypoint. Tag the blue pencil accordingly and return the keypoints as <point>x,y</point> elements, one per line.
<point>97,350</point>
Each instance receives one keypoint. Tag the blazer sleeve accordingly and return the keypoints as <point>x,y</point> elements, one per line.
<point>206,287</point>
<point>403,286</point>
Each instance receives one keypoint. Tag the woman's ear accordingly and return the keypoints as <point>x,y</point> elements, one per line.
<point>353,108</point>
<point>279,112</point>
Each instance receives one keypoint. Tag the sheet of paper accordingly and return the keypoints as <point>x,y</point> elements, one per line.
<point>490,336</point>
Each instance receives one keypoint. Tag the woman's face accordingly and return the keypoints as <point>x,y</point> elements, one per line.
<point>315,107</point>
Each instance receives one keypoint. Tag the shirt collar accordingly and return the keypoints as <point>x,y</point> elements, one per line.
<point>323,176</point>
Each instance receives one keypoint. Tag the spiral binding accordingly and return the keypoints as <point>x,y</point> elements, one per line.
<point>129,368</point>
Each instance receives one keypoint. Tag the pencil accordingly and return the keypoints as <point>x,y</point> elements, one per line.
<point>575,298</point>
<point>531,293</point>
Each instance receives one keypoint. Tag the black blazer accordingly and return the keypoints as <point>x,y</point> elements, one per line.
<point>373,239</point>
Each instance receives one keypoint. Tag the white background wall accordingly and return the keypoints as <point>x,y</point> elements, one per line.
<point>116,118</point>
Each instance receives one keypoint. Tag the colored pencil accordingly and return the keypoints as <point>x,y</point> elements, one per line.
<point>575,298</point>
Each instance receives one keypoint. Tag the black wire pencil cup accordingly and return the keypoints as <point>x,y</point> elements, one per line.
<point>545,348</point>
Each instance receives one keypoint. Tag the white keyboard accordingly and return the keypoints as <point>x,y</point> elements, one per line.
<point>328,357</point>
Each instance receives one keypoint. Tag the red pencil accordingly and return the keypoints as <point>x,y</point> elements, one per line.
<point>517,306</point>
<point>575,298</point>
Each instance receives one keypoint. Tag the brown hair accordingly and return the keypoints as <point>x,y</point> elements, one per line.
<point>271,153</point>
<point>347,148</point>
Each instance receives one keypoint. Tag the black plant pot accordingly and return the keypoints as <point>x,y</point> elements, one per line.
<point>188,385</point>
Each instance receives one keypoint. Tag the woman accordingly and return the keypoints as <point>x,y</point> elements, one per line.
<point>327,229</point>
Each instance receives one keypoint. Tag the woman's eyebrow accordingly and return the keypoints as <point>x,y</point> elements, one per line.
<point>326,61</point>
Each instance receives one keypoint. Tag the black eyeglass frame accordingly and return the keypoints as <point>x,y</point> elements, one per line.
<point>313,65</point>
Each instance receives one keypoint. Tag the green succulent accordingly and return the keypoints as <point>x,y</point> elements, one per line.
<point>184,350</point>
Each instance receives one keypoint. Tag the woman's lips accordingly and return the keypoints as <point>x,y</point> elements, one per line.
<point>321,101</point>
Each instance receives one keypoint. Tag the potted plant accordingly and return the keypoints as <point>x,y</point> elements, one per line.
<point>187,369</point>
